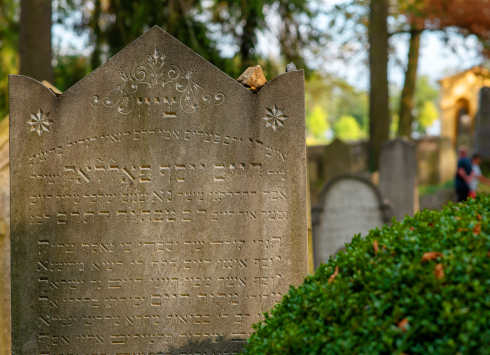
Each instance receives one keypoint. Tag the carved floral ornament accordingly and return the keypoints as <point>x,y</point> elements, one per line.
<point>153,73</point>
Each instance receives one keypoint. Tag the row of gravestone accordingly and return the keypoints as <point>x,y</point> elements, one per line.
<point>436,160</point>
<point>351,204</point>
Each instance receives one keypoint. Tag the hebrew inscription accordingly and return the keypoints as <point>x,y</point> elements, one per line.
<point>134,234</point>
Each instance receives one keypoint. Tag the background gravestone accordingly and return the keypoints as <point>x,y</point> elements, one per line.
<point>337,159</point>
<point>397,176</point>
<point>482,143</point>
<point>349,205</point>
<point>157,206</point>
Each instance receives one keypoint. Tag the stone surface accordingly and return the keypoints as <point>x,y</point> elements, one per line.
<point>337,159</point>
<point>158,206</point>
<point>398,175</point>
<point>349,205</point>
<point>253,77</point>
<point>482,134</point>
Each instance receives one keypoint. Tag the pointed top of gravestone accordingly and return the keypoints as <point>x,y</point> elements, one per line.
<point>404,140</point>
<point>338,142</point>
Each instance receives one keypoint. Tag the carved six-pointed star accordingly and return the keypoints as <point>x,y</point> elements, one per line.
<point>275,117</point>
<point>39,122</point>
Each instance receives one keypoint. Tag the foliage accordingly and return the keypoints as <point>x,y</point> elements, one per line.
<point>426,116</point>
<point>337,99</point>
<point>69,70</point>
<point>346,128</point>
<point>113,24</point>
<point>425,104</point>
<point>223,32</point>
<point>317,125</point>
<point>421,286</point>
<point>9,36</point>
<point>425,108</point>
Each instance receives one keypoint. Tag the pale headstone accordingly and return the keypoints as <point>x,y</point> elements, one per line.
<point>336,159</point>
<point>482,134</point>
<point>157,206</point>
<point>350,204</point>
<point>397,176</point>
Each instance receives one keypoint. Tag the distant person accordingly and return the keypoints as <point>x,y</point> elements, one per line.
<point>463,175</point>
<point>476,175</point>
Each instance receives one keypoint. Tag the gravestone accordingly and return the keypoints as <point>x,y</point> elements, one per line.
<point>397,176</point>
<point>482,134</point>
<point>157,206</point>
<point>336,159</point>
<point>349,204</point>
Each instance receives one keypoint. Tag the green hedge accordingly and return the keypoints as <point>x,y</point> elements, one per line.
<point>425,291</point>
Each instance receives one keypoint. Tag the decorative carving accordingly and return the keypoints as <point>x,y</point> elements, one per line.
<point>155,72</point>
<point>39,122</point>
<point>275,117</point>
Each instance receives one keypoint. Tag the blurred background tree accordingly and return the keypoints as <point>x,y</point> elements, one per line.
<point>35,39</point>
<point>347,128</point>
<point>9,36</point>
<point>229,34</point>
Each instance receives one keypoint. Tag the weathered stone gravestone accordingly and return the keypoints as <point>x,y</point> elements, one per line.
<point>397,176</point>
<point>349,205</point>
<point>157,206</point>
<point>336,159</point>
<point>482,134</point>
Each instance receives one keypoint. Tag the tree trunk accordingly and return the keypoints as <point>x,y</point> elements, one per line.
<point>248,37</point>
<point>379,119</point>
<point>406,100</point>
<point>96,61</point>
<point>35,39</point>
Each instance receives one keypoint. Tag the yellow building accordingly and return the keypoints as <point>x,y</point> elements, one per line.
<point>459,104</point>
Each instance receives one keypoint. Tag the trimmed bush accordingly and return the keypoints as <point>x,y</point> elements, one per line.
<point>421,286</point>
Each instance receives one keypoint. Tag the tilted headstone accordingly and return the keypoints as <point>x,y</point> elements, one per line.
<point>157,206</point>
<point>398,174</point>
<point>336,159</point>
<point>349,204</point>
<point>482,132</point>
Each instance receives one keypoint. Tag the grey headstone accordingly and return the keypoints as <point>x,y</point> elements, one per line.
<point>337,159</point>
<point>398,174</point>
<point>157,205</point>
<point>349,205</point>
<point>482,134</point>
